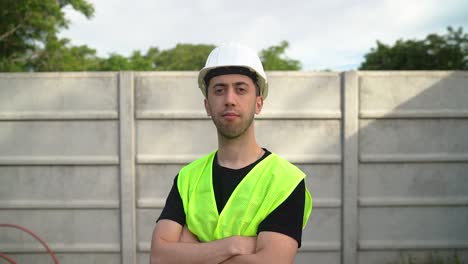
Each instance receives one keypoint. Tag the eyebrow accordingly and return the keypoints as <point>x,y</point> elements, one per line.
<point>225,84</point>
<point>241,83</point>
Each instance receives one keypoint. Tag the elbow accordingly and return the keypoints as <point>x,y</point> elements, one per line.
<point>157,255</point>
<point>154,259</point>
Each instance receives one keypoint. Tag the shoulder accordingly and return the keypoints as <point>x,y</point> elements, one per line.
<point>190,173</point>
<point>199,162</point>
<point>196,167</point>
<point>279,163</point>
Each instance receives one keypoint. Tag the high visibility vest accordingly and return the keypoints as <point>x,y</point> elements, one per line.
<point>261,191</point>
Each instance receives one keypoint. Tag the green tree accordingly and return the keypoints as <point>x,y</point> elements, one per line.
<point>435,52</point>
<point>27,25</point>
<point>145,62</point>
<point>115,62</point>
<point>139,62</point>
<point>274,59</point>
<point>58,55</point>
<point>183,57</point>
<point>136,61</point>
<point>29,42</point>
<point>191,57</point>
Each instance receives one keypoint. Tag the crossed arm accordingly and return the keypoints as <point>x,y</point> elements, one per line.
<point>172,243</point>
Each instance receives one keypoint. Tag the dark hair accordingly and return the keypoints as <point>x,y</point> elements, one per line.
<point>232,70</point>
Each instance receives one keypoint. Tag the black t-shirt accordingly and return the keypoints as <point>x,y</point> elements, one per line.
<point>285,219</point>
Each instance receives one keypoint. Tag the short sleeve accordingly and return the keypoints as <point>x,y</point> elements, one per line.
<point>287,218</point>
<point>174,208</point>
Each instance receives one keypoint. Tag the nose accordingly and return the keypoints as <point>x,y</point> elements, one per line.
<point>231,97</point>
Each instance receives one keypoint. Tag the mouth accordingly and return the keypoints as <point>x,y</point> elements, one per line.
<point>230,115</point>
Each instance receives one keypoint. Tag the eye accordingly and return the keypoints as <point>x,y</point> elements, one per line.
<point>242,89</point>
<point>218,89</point>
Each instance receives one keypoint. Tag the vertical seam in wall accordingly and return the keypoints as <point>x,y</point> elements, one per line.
<point>343,156</point>
<point>350,163</point>
<point>127,168</point>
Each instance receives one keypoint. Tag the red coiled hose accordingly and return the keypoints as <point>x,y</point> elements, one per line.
<point>7,258</point>
<point>51,253</point>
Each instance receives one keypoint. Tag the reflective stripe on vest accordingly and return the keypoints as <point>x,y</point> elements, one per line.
<point>260,192</point>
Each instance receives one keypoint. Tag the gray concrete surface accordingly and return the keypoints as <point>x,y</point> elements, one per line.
<point>87,159</point>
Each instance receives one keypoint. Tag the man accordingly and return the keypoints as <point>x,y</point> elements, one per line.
<point>241,203</point>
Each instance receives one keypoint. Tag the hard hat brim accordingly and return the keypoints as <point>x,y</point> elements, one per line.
<point>261,82</point>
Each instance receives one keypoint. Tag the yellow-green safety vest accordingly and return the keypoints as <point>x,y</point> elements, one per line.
<point>261,191</point>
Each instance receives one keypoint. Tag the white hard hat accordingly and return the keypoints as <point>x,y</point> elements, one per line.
<point>234,55</point>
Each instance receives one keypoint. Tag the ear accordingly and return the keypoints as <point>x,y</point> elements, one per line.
<point>258,104</point>
<point>207,107</point>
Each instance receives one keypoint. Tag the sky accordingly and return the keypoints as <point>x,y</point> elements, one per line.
<point>322,35</point>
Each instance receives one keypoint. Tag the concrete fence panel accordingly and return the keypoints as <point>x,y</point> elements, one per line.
<point>413,170</point>
<point>59,160</point>
<point>87,160</point>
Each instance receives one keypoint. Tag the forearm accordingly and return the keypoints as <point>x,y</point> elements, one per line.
<point>252,258</point>
<point>187,249</point>
<point>272,248</point>
<point>256,258</point>
<point>180,252</point>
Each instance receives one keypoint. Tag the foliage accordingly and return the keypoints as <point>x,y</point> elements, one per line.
<point>183,57</point>
<point>274,59</point>
<point>57,55</point>
<point>115,62</point>
<point>27,25</point>
<point>29,42</point>
<point>435,52</point>
<point>139,62</point>
<point>136,61</point>
<point>189,57</point>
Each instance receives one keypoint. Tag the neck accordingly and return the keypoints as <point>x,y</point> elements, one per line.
<point>238,152</point>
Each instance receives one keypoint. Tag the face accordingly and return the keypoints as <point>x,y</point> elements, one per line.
<point>232,104</point>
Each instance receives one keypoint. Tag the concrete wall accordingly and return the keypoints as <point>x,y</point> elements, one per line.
<point>87,159</point>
